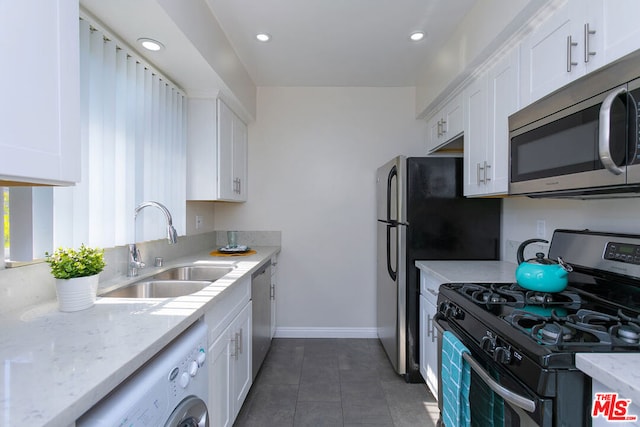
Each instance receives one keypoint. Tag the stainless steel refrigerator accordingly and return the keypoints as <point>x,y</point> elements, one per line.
<point>422,215</point>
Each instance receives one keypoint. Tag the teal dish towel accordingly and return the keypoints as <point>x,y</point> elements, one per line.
<point>456,381</point>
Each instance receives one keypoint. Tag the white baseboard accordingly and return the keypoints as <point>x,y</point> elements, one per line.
<point>326,332</point>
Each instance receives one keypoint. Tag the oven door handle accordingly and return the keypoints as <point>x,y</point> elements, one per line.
<point>511,397</point>
<point>508,395</point>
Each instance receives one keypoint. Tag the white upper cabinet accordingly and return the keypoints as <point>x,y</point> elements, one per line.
<point>232,137</point>
<point>618,22</point>
<point>579,37</point>
<point>216,152</point>
<point>488,102</point>
<point>549,56</point>
<point>40,106</point>
<point>446,124</point>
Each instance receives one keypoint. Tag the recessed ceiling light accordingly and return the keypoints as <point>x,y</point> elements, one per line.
<point>151,44</point>
<point>417,36</point>
<point>263,37</point>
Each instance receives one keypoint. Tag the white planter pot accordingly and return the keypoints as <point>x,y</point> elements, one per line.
<point>78,293</point>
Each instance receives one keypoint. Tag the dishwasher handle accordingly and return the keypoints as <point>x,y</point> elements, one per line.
<point>261,271</point>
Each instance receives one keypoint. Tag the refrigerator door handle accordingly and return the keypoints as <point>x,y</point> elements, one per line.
<point>392,273</point>
<point>393,173</point>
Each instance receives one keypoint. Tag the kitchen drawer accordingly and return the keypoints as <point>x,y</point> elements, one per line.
<point>429,285</point>
<point>226,307</point>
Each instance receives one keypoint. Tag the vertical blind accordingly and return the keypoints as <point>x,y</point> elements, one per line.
<point>133,135</point>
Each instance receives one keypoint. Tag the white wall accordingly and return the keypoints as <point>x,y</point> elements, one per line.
<point>520,215</point>
<point>313,153</point>
<point>482,30</point>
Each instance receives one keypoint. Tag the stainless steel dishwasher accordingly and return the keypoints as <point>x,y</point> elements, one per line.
<point>261,312</point>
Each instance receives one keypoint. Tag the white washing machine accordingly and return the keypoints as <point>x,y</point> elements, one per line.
<point>170,391</point>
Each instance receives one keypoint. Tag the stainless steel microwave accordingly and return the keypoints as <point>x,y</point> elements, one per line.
<point>581,141</point>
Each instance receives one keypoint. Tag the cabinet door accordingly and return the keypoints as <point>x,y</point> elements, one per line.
<point>503,101</point>
<point>226,184</point>
<point>220,398</point>
<point>241,363</point>
<point>475,136</point>
<point>202,150</point>
<point>239,159</point>
<point>424,337</point>
<point>620,31</point>
<point>549,55</point>
<point>40,106</point>
<point>232,155</point>
<point>429,368</point>
<point>453,123</point>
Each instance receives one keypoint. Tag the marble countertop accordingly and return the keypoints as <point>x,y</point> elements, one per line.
<point>471,271</point>
<point>57,365</point>
<point>619,372</point>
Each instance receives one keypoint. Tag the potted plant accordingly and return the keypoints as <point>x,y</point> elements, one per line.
<point>76,272</point>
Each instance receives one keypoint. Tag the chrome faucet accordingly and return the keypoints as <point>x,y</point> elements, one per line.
<point>135,260</point>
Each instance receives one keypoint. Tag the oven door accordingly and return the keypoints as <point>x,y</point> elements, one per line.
<point>512,403</point>
<point>579,147</point>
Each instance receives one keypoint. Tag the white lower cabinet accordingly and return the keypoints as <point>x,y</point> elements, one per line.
<point>229,354</point>
<point>429,367</point>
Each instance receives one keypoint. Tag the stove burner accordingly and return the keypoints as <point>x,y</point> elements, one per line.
<point>553,332</point>
<point>490,296</point>
<point>628,333</point>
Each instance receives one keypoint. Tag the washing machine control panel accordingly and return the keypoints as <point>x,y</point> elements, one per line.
<point>158,388</point>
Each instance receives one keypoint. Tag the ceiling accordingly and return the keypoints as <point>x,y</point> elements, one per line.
<point>337,42</point>
<point>314,42</point>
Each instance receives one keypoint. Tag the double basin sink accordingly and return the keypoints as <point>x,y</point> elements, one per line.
<point>171,283</point>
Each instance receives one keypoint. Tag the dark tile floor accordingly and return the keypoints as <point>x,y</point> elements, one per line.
<point>333,383</point>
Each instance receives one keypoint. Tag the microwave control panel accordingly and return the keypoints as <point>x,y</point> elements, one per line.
<point>623,252</point>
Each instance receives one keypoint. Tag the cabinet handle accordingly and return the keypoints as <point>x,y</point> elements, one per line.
<point>239,186</point>
<point>439,128</point>
<point>444,127</point>
<point>570,63</point>
<point>487,177</point>
<point>480,169</point>
<point>235,346</point>
<point>587,51</point>
<point>240,342</point>
<point>429,328</point>
<point>433,330</point>
<point>273,292</point>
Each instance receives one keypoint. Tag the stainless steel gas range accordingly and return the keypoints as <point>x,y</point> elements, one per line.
<point>523,343</point>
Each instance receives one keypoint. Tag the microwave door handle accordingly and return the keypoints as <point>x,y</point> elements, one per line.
<point>604,143</point>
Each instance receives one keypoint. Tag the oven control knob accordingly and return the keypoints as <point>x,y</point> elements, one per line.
<point>443,307</point>
<point>502,355</point>
<point>451,311</point>
<point>488,343</point>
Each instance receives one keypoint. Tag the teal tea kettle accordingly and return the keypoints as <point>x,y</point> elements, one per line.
<point>540,273</point>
